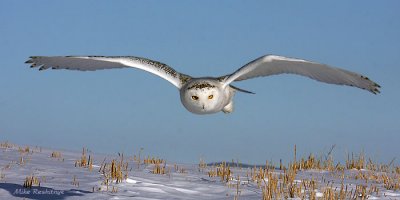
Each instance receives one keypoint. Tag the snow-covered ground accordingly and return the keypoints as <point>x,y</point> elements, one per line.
<point>60,178</point>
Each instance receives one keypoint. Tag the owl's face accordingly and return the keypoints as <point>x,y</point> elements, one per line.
<point>203,97</point>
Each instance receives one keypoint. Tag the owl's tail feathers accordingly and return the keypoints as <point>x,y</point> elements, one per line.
<point>241,90</point>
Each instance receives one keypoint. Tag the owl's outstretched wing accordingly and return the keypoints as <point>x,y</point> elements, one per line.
<point>91,63</point>
<point>272,65</point>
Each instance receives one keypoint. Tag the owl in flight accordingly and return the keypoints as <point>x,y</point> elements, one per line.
<point>206,95</point>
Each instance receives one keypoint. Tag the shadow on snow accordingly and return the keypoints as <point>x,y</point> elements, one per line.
<point>40,193</point>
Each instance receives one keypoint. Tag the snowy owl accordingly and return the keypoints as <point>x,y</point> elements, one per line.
<point>206,95</point>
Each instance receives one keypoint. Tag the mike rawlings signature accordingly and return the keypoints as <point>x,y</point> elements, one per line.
<point>38,192</point>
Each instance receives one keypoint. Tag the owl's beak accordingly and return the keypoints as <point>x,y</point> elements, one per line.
<point>203,106</point>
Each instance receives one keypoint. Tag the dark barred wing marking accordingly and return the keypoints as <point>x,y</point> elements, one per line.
<point>91,63</point>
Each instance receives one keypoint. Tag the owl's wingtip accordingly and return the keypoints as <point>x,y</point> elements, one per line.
<point>375,91</point>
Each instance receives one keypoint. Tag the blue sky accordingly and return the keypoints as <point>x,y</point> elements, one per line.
<point>123,110</point>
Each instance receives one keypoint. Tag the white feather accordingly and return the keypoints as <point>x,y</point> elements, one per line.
<point>90,63</point>
<point>273,65</point>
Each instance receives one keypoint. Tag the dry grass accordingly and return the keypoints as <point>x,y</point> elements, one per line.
<point>138,158</point>
<point>160,168</point>
<point>85,161</point>
<point>222,170</point>
<point>179,169</point>
<point>75,182</point>
<point>23,150</point>
<point>285,183</point>
<point>24,155</point>
<point>31,181</point>
<point>202,165</point>
<point>6,145</point>
<point>237,188</point>
<point>114,172</point>
<point>153,160</point>
<point>57,155</point>
<point>2,176</point>
<point>159,165</point>
<point>355,162</point>
<point>390,182</point>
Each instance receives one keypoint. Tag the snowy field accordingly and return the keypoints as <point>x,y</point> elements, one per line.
<point>53,174</point>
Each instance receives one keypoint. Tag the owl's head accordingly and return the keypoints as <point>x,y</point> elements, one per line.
<point>202,97</point>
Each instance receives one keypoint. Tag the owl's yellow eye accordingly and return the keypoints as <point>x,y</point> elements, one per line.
<point>211,96</point>
<point>195,98</point>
